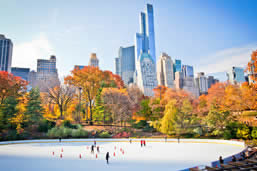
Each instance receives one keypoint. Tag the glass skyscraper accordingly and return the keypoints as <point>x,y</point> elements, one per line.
<point>145,58</point>
<point>188,71</point>
<point>5,53</point>
<point>126,64</point>
<point>177,66</point>
<point>145,40</point>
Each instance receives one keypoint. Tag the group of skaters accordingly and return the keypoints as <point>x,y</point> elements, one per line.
<point>107,156</point>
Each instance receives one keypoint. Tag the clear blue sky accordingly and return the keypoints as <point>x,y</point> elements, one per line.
<point>210,35</point>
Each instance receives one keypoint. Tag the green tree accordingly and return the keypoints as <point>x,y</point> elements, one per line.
<point>34,109</point>
<point>217,120</point>
<point>243,132</point>
<point>99,110</point>
<point>254,133</point>
<point>8,110</point>
<point>145,110</point>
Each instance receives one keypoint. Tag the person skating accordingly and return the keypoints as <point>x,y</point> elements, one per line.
<point>98,149</point>
<point>221,160</point>
<point>107,157</point>
<point>95,143</point>
<point>60,139</point>
<point>144,142</point>
<point>92,149</point>
<point>130,141</point>
<point>141,143</point>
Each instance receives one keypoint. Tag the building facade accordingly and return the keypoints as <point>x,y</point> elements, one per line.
<point>188,71</point>
<point>6,47</point>
<point>177,66</point>
<point>165,75</point>
<point>117,66</point>
<point>21,72</point>
<point>202,83</point>
<point>46,76</point>
<point>93,60</point>
<point>236,75</point>
<point>79,66</point>
<point>145,59</point>
<point>125,64</point>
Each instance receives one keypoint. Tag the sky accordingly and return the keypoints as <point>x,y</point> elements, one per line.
<point>210,35</point>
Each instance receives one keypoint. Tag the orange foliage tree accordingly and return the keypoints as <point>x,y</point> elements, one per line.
<point>11,85</point>
<point>90,79</point>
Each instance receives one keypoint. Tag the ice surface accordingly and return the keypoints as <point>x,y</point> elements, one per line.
<point>157,154</point>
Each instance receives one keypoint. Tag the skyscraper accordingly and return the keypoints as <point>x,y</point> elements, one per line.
<point>236,75</point>
<point>145,40</point>
<point>188,71</point>
<point>177,66</point>
<point>145,53</point>
<point>5,53</point>
<point>125,64</point>
<point>93,60</point>
<point>202,83</point>
<point>165,75</point>
<point>46,75</point>
<point>117,66</point>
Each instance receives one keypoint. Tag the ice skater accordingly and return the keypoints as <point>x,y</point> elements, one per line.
<point>141,143</point>
<point>98,149</point>
<point>166,139</point>
<point>144,142</point>
<point>92,149</point>
<point>60,139</point>
<point>95,143</point>
<point>130,141</point>
<point>178,139</point>
<point>107,157</point>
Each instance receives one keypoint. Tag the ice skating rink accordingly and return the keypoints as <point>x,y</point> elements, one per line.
<point>157,155</point>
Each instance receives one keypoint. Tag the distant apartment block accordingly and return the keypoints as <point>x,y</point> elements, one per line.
<point>6,47</point>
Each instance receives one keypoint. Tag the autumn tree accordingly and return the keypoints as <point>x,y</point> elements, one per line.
<point>11,85</point>
<point>159,91</point>
<point>90,79</point>
<point>216,95</point>
<point>117,101</point>
<point>61,96</point>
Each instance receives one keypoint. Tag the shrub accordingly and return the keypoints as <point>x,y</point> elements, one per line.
<point>45,125</point>
<point>139,125</point>
<point>68,124</point>
<point>243,132</point>
<point>67,133</point>
<point>254,133</point>
<point>104,134</point>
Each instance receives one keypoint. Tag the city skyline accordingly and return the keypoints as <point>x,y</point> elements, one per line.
<point>50,34</point>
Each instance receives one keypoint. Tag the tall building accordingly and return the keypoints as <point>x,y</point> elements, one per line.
<point>21,72</point>
<point>5,53</point>
<point>145,53</point>
<point>252,74</point>
<point>125,64</point>
<point>46,75</point>
<point>188,71</point>
<point>117,66</point>
<point>202,83</point>
<point>211,80</point>
<point>165,75</point>
<point>236,75</point>
<point>93,60</point>
<point>177,66</point>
